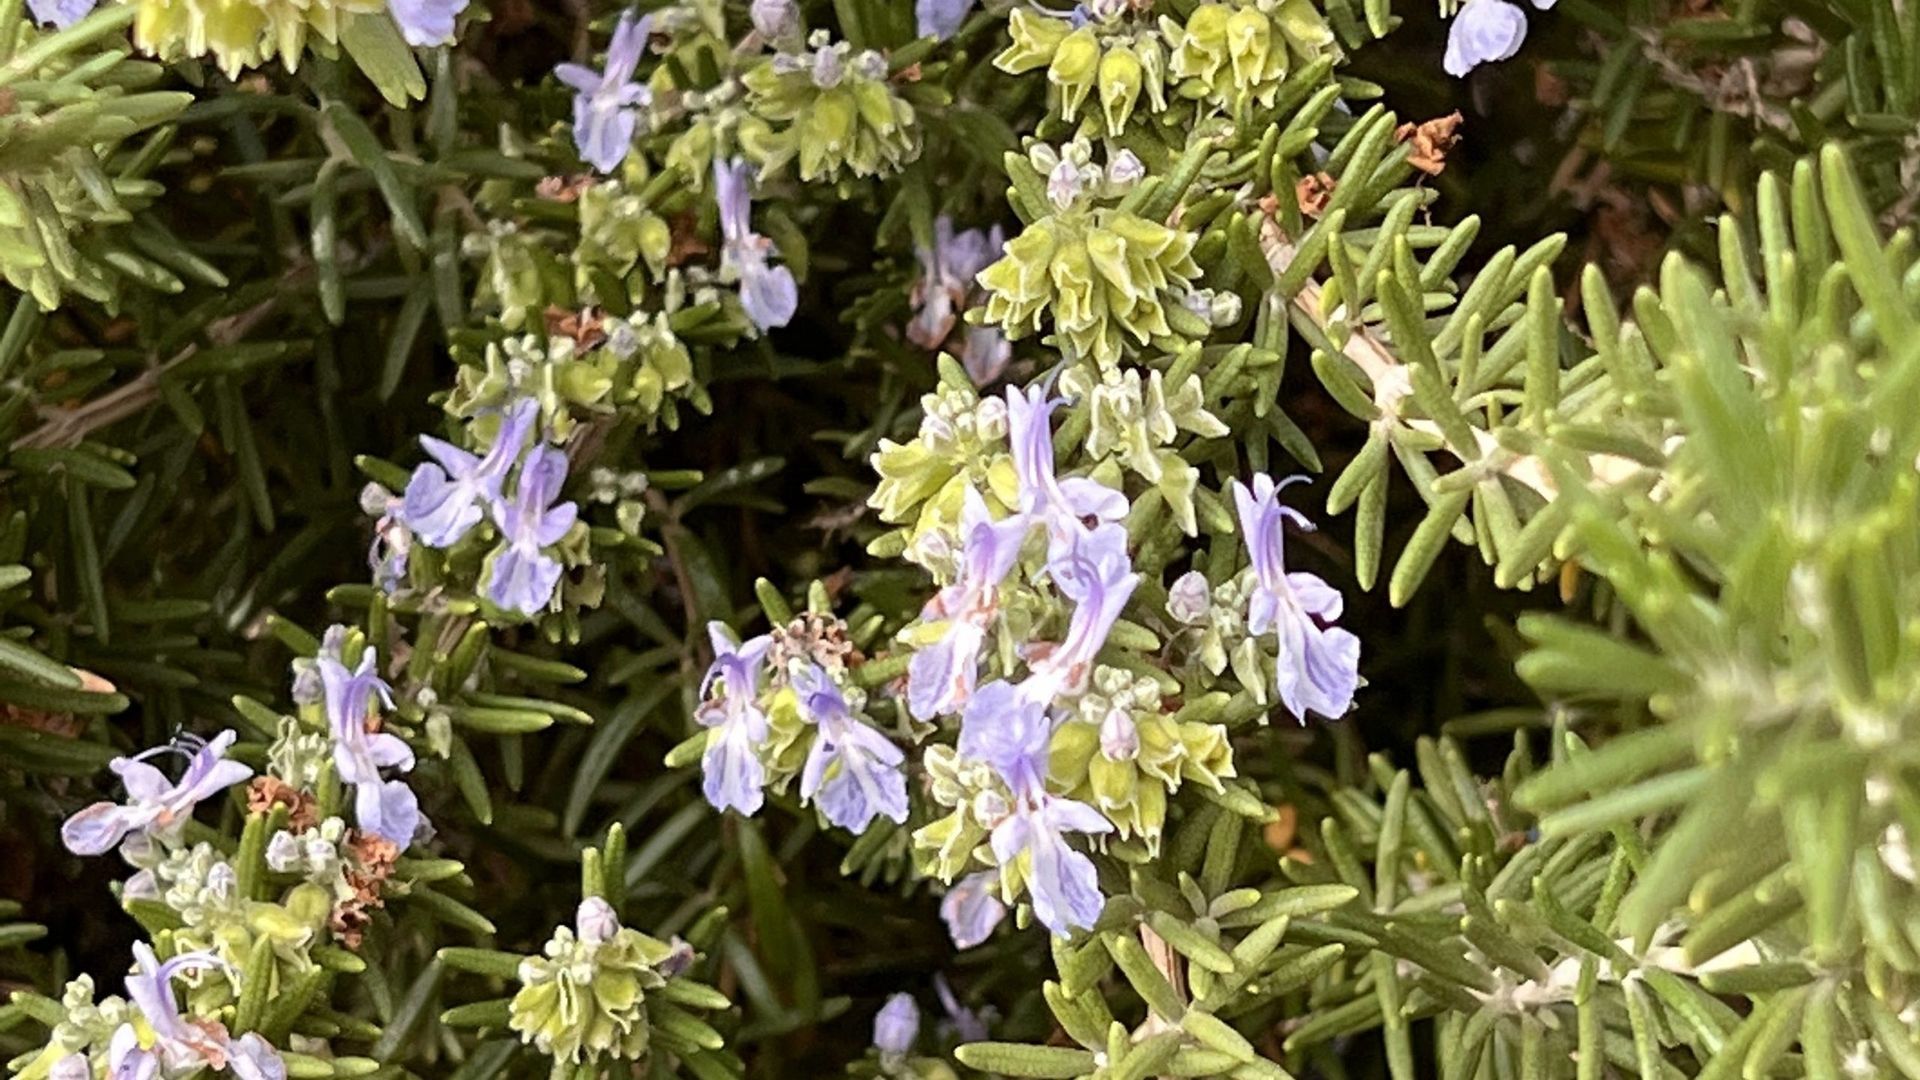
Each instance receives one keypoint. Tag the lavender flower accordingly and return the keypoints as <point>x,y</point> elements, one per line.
<point>1098,577</point>
<point>1319,668</point>
<point>606,103</point>
<point>388,808</point>
<point>181,1045</point>
<point>156,807</point>
<point>426,22</point>
<point>941,19</point>
<point>944,288</point>
<point>968,1025</point>
<point>895,1027</point>
<point>971,910</point>
<point>947,271</point>
<point>1486,31</point>
<point>1059,504</point>
<point>61,13</point>
<point>852,772</point>
<point>768,293</point>
<point>941,676</point>
<point>443,496</point>
<point>1009,731</point>
<point>520,576</point>
<point>733,773</point>
<point>392,543</point>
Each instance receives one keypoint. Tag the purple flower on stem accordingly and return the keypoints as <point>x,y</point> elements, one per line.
<point>1319,667</point>
<point>941,19</point>
<point>1010,732</point>
<point>606,103</point>
<point>60,14</point>
<point>768,293</point>
<point>444,496</point>
<point>1062,505</point>
<point>426,22</point>
<point>941,676</point>
<point>520,576</point>
<point>181,1045</point>
<point>852,772</point>
<point>384,808</point>
<point>972,910</point>
<point>1098,577</point>
<point>156,808</point>
<point>733,773</point>
<point>1485,32</point>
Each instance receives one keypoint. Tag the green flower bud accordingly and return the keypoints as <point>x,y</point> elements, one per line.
<point>1120,78</point>
<point>1075,66</point>
<point>1036,38</point>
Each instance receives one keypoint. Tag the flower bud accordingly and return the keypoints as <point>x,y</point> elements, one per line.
<point>1190,598</point>
<point>1119,86</point>
<point>1075,65</point>
<point>896,1026</point>
<point>595,921</point>
<point>1119,737</point>
<point>775,20</point>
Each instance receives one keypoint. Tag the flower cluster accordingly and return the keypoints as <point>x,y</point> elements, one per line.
<point>586,995</point>
<point>776,707</point>
<point>244,35</point>
<point>1063,728</point>
<point>1242,50</point>
<point>1101,273</point>
<point>833,111</point>
<point>514,484</point>
<point>1096,46</point>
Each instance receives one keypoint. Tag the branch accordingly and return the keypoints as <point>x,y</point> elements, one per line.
<point>1392,383</point>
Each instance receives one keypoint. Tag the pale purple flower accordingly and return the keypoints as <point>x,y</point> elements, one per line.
<point>853,772</point>
<point>75,1066</point>
<point>606,103</point>
<point>444,496</point>
<point>1062,505</point>
<point>181,1045</point>
<point>767,293</point>
<point>384,808</point>
<point>1096,574</point>
<point>972,909</point>
<point>896,1026</point>
<point>426,22</point>
<point>1009,731</point>
<point>1485,32</point>
<point>61,13</point>
<point>985,353</point>
<point>968,1025</point>
<point>392,543</point>
<point>775,20</point>
<point>736,726</point>
<point>1319,666</point>
<point>156,808</point>
<point>947,286</point>
<point>941,675</point>
<point>941,19</point>
<point>520,575</point>
<point>946,278</point>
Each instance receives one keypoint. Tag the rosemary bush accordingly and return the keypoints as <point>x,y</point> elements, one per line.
<point>959,539</point>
